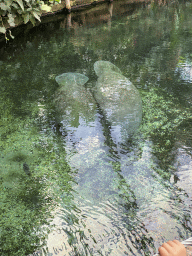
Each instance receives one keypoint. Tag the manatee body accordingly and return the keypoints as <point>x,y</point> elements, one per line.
<point>72,99</point>
<point>119,99</point>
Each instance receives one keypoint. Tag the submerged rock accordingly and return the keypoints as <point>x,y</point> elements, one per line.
<point>119,99</point>
<point>72,99</point>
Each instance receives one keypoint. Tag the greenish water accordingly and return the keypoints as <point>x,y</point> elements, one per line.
<point>96,194</point>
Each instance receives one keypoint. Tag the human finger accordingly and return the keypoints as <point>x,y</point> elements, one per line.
<point>181,247</point>
<point>177,242</point>
<point>170,248</point>
<point>177,245</point>
<point>163,251</point>
<point>172,243</point>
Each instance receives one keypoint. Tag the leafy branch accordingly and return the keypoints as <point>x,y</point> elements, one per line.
<point>22,10</point>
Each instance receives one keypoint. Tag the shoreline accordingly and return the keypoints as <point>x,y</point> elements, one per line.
<point>59,12</point>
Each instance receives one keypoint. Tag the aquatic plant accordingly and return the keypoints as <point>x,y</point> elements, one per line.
<point>27,200</point>
<point>22,11</point>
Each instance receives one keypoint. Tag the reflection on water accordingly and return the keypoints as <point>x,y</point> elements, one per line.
<point>185,70</point>
<point>119,197</point>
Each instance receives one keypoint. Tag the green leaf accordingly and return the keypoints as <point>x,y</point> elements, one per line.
<point>26,17</point>
<point>28,3</point>
<point>11,20</point>
<point>3,6</point>
<point>2,30</point>
<point>35,14</point>
<point>15,6</point>
<point>20,11</point>
<point>32,19</point>
<point>8,2</point>
<point>20,2</point>
<point>45,7</point>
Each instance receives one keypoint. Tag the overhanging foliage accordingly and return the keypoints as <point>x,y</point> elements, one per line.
<point>22,10</point>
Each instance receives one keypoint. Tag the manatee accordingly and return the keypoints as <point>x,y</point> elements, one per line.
<point>72,99</point>
<point>119,99</point>
<point>70,79</point>
<point>101,67</point>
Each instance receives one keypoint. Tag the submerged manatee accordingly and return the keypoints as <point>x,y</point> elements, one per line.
<point>72,99</point>
<point>68,80</point>
<point>119,99</point>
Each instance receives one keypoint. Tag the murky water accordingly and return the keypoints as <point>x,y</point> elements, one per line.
<point>108,193</point>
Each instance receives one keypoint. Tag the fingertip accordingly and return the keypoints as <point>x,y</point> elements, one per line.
<point>176,241</point>
<point>162,251</point>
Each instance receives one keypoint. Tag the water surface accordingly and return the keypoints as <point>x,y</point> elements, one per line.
<point>108,197</point>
